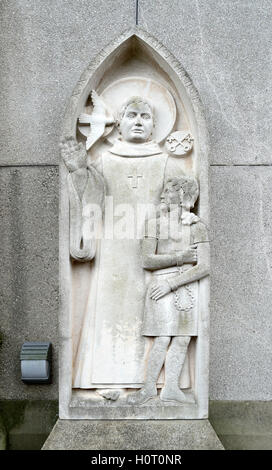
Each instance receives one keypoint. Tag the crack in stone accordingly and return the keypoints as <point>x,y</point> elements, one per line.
<point>209,81</point>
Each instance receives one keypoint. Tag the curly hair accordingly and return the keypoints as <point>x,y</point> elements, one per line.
<point>189,187</point>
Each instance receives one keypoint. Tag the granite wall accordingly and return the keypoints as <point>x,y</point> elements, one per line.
<point>225,48</point>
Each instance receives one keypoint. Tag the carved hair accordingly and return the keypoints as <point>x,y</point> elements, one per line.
<point>135,100</point>
<point>189,187</point>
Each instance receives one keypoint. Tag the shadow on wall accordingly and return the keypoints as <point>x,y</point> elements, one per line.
<point>242,425</point>
<point>25,425</point>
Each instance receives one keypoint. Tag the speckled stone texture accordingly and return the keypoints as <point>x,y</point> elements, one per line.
<point>242,425</point>
<point>225,48</point>
<point>28,272</point>
<point>241,275</point>
<point>45,46</point>
<point>133,435</point>
<point>3,435</point>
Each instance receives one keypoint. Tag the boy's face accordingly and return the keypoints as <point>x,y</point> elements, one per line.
<point>170,196</point>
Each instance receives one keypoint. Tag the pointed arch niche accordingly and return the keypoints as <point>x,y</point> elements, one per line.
<point>135,53</point>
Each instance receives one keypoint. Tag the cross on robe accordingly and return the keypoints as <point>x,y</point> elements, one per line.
<point>134,178</point>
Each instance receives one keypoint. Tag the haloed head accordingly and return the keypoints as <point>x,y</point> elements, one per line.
<point>136,120</point>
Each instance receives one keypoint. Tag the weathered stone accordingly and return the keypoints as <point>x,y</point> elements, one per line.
<point>234,86</point>
<point>111,340</point>
<point>28,423</point>
<point>241,294</point>
<point>225,48</point>
<point>38,419</point>
<point>29,272</point>
<point>132,435</point>
<point>252,442</point>
<point>3,435</point>
<point>45,46</point>
<point>242,418</point>
<point>242,425</point>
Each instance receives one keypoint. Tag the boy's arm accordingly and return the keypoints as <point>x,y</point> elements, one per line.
<point>153,261</point>
<point>193,274</point>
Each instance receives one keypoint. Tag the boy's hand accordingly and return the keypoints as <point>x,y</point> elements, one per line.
<point>159,290</point>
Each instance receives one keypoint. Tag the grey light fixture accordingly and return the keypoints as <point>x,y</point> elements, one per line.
<point>36,363</point>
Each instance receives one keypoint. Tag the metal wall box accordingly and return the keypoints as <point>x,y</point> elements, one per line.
<point>36,359</point>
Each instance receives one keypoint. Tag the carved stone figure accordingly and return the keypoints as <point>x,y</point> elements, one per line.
<point>100,118</point>
<point>131,119</point>
<point>110,347</point>
<point>177,261</point>
<point>86,187</point>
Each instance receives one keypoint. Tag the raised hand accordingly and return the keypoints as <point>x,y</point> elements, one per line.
<point>73,153</point>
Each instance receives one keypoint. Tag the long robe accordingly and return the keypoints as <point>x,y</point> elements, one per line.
<point>111,349</point>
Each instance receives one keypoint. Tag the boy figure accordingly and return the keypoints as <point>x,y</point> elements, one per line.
<point>170,314</point>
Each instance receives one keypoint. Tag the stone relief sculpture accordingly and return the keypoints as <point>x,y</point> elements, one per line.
<point>179,143</point>
<point>135,292</point>
<point>126,169</point>
<point>85,187</point>
<point>98,121</point>
<point>170,313</point>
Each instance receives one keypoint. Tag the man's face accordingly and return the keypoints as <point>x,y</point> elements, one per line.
<point>137,123</point>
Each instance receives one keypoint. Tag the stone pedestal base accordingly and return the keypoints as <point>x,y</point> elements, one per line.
<point>133,435</point>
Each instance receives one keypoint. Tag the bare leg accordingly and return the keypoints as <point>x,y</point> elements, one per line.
<point>155,363</point>
<point>173,366</point>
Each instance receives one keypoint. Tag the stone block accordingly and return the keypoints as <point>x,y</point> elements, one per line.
<point>29,273</point>
<point>243,418</point>
<point>225,48</point>
<point>242,425</point>
<point>45,47</point>
<point>133,435</point>
<point>30,433</point>
<point>3,435</point>
<point>241,275</point>
<point>253,442</point>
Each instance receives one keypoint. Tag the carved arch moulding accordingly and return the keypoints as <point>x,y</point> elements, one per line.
<point>134,246</point>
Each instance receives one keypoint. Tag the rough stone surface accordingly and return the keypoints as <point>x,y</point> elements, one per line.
<point>109,347</point>
<point>29,273</point>
<point>252,442</point>
<point>133,435</point>
<point>45,47</point>
<point>3,435</point>
<point>241,418</point>
<point>239,425</point>
<point>242,425</point>
<point>241,275</point>
<point>225,48</point>
<point>35,425</point>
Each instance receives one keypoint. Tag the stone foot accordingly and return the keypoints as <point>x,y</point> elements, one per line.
<point>109,394</point>
<point>173,394</point>
<point>141,396</point>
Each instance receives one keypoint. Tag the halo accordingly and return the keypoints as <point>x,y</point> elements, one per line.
<point>163,102</point>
